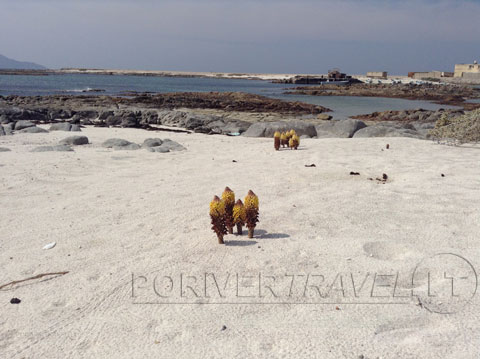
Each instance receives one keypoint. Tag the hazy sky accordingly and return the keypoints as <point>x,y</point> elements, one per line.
<point>302,36</point>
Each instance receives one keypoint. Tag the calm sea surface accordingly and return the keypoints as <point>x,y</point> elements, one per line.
<point>343,106</point>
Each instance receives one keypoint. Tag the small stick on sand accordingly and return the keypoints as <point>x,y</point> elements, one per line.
<point>32,278</point>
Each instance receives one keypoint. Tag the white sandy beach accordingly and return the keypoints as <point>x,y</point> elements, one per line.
<point>118,215</point>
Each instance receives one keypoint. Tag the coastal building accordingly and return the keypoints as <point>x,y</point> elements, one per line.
<point>429,75</point>
<point>377,74</point>
<point>471,71</point>
<point>335,74</point>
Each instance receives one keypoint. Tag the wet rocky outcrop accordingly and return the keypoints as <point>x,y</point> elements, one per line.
<point>147,111</point>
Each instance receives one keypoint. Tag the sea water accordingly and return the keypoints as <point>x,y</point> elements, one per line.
<point>83,84</point>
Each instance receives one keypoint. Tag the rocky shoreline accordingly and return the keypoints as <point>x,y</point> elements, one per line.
<point>231,114</point>
<point>439,93</point>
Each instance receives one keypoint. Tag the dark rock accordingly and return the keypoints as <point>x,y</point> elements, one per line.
<point>60,114</point>
<point>149,118</point>
<point>16,114</point>
<point>106,114</point>
<point>75,141</point>
<point>15,301</point>
<point>83,115</point>
<point>114,120</point>
<point>59,148</point>
<point>192,122</point>
<point>129,121</point>
<point>172,118</point>
<point>202,129</point>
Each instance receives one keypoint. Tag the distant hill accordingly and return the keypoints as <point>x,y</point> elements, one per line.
<point>6,63</point>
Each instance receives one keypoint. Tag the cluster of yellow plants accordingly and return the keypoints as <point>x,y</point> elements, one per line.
<point>286,139</point>
<point>225,213</point>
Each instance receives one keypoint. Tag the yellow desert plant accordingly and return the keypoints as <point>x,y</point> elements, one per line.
<point>217,215</point>
<point>251,211</point>
<point>239,216</point>
<point>283,140</point>
<point>276,140</point>
<point>294,142</point>
<point>228,198</point>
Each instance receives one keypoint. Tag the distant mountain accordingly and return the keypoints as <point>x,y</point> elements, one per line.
<point>6,63</point>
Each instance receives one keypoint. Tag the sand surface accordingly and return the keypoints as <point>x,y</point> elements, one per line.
<point>118,215</point>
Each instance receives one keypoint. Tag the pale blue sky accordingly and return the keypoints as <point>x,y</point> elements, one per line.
<point>302,36</point>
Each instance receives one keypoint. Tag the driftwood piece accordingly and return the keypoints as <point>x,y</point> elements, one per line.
<point>32,278</point>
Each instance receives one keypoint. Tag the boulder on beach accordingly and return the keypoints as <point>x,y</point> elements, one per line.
<point>387,130</point>
<point>15,115</point>
<point>171,145</point>
<point>116,142</point>
<point>20,125</point>
<point>267,129</point>
<point>339,129</point>
<point>58,148</point>
<point>130,147</point>
<point>61,126</point>
<point>75,140</point>
<point>120,144</point>
<point>149,118</point>
<point>33,129</point>
<point>7,129</point>
<point>159,149</point>
<point>162,146</point>
<point>60,114</point>
<point>236,126</point>
<point>152,142</point>
<point>4,149</point>
<point>84,115</point>
<point>172,118</point>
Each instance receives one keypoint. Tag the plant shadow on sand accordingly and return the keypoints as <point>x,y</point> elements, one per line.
<point>261,234</point>
<point>240,243</point>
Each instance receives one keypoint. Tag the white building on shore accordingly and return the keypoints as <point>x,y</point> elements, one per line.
<point>470,71</point>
